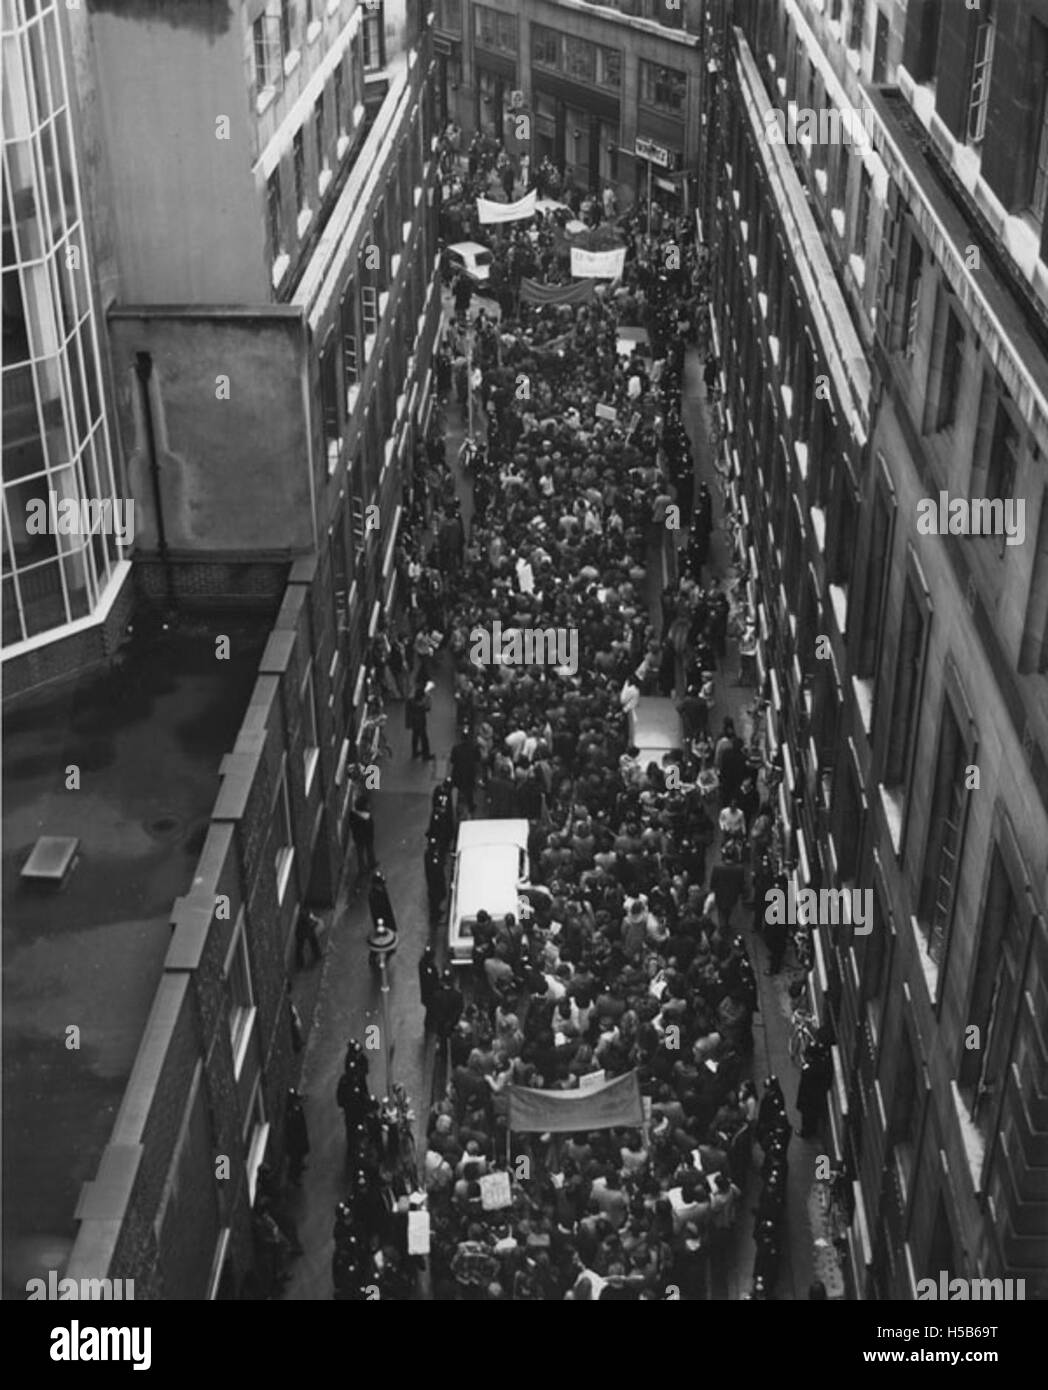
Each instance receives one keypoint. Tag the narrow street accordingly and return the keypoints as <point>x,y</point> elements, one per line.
<point>342,995</point>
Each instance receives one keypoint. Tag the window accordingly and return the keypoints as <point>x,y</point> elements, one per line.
<point>995,992</point>
<point>982,65</point>
<point>269,65</point>
<point>329,398</point>
<point>911,300</point>
<point>299,160</point>
<point>449,16</point>
<point>857,25</point>
<point>1039,192</point>
<point>946,367</point>
<point>239,993</point>
<point>1003,461</point>
<point>943,850</point>
<point>906,1108</point>
<point>880,48</point>
<point>908,668</point>
<point>862,212</point>
<point>876,955</point>
<point>276,231</point>
<point>545,46</point>
<point>348,324</point>
<point>924,41</point>
<point>494,29</point>
<point>374,39</point>
<point>256,1137</point>
<point>877,570</point>
<point>369,309</point>
<point>580,59</point>
<point>319,136</point>
<point>311,752</point>
<point>340,105</point>
<point>840,182</point>
<point>610,67</point>
<point>663,88</point>
<point>280,819</point>
<point>285,27</point>
<point>1033,655</point>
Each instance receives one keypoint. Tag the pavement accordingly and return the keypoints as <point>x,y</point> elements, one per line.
<point>342,998</point>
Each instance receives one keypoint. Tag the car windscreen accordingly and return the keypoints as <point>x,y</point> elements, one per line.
<point>482,258</point>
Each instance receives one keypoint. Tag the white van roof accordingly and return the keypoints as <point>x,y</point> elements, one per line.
<point>487,880</point>
<point>492,833</point>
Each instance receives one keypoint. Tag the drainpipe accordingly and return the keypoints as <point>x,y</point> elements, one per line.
<point>144,369</point>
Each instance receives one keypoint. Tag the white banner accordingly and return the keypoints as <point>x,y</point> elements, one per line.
<point>597,265</point>
<point>490,212</point>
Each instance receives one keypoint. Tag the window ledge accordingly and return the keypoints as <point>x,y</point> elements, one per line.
<point>839,603</point>
<point>342,146</point>
<point>394,270</point>
<point>292,61</point>
<point>892,802</point>
<point>853,58</point>
<point>265,100</point>
<point>312,757</point>
<point>284,871</point>
<point>383,300</point>
<point>323,181</point>
<point>801,450</point>
<point>821,181</point>
<point>787,400</point>
<point>358,115</point>
<point>753,266</point>
<point>369,345</point>
<point>928,966</point>
<point>762,300</point>
<point>418,195</point>
<point>862,688</point>
<point>313,32</point>
<point>744,228</point>
<point>773,348</point>
<point>818,526</point>
<point>973,1141</point>
<point>405,231</point>
<point>858,269</point>
<point>242,1041</point>
<point>837,218</point>
<point>333,6</point>
<point>351,397</point>
<point>305,217</point>
<point>280,267</point>
<point>334,453</point>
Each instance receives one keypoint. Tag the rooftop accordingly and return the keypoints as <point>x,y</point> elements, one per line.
<point>147,738</point>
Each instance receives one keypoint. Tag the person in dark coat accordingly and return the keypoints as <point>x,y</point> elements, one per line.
<point>816,1075</point>
<point>727,881</point>
<point>415,715</point>
<point>379,905</point>
<point>296,1136</point>
<point>428,981</point>
<point>435,864</point>
<point>771,1113</point>
<point>447,1006</point>
<point>465,764</point>
<point>306,935</point>
<point>362,828</point>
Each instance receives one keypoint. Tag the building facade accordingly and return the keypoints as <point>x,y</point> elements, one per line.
<point>263,225</point>
<point>880,308</point>
<point>59,585</point>
<point>580,84</point>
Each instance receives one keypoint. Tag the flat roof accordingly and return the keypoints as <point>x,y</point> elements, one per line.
<point>147,740</point>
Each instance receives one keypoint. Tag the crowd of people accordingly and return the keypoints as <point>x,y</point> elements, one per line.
<point>628,953</point>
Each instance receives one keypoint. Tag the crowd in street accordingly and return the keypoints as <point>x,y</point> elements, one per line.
<point>629,954</point>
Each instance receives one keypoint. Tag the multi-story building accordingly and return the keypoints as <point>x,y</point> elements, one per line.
<point>264,233</point>
<point>880,307</point>
<point>609,92</point>
<point>59,587</point>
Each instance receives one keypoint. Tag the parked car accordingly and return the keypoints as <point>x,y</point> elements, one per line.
<point>656,729</point>
<point>490,874</point>
<point>471,257</point>
<point>561,213</point>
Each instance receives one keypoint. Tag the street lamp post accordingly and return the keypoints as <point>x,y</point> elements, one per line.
<point>387,1049</point>
<point>649,197</point>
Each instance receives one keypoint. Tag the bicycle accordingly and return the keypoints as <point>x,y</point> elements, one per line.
<point>802,1034</point>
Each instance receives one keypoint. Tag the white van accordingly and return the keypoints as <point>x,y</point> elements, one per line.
<point>656,729</point>
<point>491,867</point>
